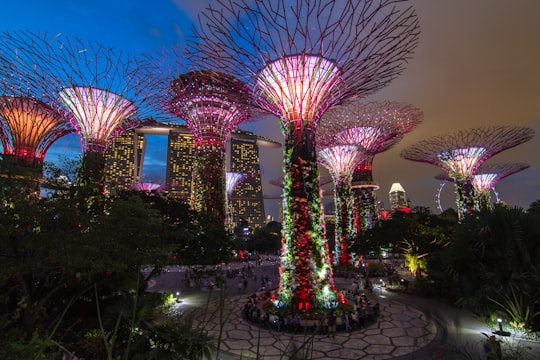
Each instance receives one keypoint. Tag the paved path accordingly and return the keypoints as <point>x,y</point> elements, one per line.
<point>408,327</point>
<point>398,331</point>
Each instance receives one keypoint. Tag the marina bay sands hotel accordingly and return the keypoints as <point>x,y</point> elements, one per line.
<point>125,161</point>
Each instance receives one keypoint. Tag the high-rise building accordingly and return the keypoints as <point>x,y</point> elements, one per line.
<point>124,168</point>
<point>398,200</point>
<point>121,162</point>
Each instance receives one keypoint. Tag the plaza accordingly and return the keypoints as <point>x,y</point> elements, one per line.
<point>408,327</point>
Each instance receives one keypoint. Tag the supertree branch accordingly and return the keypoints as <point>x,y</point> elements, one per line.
<point>232,180</point>
<point>486,178</point>
<point>29,124</point>
<point>212,105</point>
<point>300,60</point>
<point>146,187</point>
<point>95,83</point>
<point>340,161</point>
<point>376,127</point>
<point>461,153</point>
<point>359,46</point>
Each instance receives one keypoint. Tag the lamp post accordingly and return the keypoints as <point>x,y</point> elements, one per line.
<point>501,332</point>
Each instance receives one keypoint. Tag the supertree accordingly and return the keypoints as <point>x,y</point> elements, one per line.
<point>94,83</point>
<point>340,161</point>
<point>147,187</point>
<point>486,178</point>
<point>212,104</point>
<point>376,127</point>
<point>461,153</point>
<point>28,125</point>
<point>300,60</point>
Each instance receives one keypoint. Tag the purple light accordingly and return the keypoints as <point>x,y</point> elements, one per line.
<point>300,88</point>
<point>340,160</point>
<point>98,114</point>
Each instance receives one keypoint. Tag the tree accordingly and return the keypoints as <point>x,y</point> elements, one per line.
<point>267,239</point>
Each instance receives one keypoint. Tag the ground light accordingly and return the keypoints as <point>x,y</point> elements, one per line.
<point>501,332</point>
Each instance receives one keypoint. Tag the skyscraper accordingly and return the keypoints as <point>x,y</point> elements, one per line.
<point>124,168</point>
<point>398,200</point>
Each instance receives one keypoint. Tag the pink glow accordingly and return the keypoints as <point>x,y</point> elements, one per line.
<point>147,187</point>
<point>483,182</point>
<point>211,120</point>
<point>340,159</point>
<point>366,136</point>
<point>98,114</point>
<point>462,162</point>
<point>212,104</point>
<point>300,88</point>
<point>232,179</point>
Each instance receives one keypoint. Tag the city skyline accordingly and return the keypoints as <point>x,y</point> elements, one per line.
<point>476,65</point>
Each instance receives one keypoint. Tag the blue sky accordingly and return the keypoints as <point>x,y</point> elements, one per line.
<point>477,64</point>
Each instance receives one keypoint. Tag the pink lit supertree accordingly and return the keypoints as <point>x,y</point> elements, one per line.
<point>461,153</point>
<point>93,83</point>
<point>376,127</point>
<point>301,59</point>
<point>147,187</point>
<point>486,178</point>
<point>212,104</point>
<point>340,160</point>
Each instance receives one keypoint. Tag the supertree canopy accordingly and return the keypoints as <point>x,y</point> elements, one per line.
<point>29,127</point>
<point>376,127</point>
<point>28,124</point>
<point>486,178</point>
<point>461,153</point>
<point>340,161</point>
<point>93,82</point>
<point>300,60</point>
<point>146,187</point>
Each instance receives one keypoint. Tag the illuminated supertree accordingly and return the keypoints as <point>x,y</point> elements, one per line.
<point>376,127</point>
<point>486,178</point>
<point>91,81</point>
<point>300,60</point>
<point>462,152</point>
<point>340,160</point>
<point>147,187</point>
<point>212,104</point>
<point>28,125</point>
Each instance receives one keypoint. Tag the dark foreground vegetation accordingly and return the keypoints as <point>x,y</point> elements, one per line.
<point>70,280</point>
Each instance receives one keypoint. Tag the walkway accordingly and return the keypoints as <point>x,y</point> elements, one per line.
<point>406,328</point>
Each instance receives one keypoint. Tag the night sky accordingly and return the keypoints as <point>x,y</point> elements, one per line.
<point>477,64</point>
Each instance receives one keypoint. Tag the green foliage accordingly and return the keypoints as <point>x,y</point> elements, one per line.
<point>266,239</point>
<point>517,308</point>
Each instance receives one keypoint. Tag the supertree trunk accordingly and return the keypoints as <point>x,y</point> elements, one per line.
<point>483,199</point>
<point>208,182</point>
<point>365,211</point>
<point>344,232</point>
<point>306,273</point>
<point>465,198</point>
